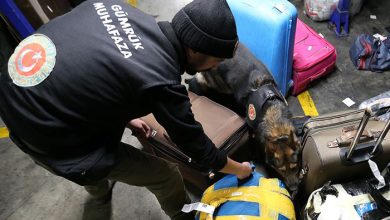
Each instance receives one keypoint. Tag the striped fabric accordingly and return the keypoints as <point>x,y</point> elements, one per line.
<point>256,198</point>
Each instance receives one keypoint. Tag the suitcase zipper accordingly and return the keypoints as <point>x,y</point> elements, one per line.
<point>332,117</point>
<point>168,150</point>
<point>180,156</point>
<point>306,66</point>
<point>305,126</point>
<point>177,151</point>
<point>230,142</point>
<point>313,130</point>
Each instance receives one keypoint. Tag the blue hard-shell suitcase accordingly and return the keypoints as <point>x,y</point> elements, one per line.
<point>267,28</point>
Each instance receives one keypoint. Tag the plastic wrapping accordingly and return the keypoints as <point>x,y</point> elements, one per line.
<point>379,104</point>
<point>321,10</point>
<point>255,197</point>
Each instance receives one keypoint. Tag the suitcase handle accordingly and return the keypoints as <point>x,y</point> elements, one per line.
<point>318,75</point>
<point>381,137</point>
<point>349,133</point>
<point>363,151</point>
<point>362,125</point>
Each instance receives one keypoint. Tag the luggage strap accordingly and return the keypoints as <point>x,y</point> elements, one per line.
<point>349,133</point>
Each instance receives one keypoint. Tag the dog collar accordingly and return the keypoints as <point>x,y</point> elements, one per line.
<point>256,100</point>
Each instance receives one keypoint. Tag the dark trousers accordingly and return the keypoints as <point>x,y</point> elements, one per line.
<point>138,168</point>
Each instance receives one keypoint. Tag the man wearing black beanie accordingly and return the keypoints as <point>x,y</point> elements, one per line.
<point>70,89</point>
<point>208,28</point>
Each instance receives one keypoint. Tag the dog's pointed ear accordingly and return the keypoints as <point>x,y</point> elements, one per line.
<point>292,134</point>
<point>296,140</point>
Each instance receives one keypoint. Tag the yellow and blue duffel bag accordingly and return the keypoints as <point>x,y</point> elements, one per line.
<point>255,198</point>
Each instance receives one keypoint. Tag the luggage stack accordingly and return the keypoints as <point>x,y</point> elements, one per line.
<point>336,147</point>
<point>293,52</point>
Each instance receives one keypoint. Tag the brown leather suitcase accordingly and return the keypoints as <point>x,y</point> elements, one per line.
<point>336,147</point>
<point>225,128</point>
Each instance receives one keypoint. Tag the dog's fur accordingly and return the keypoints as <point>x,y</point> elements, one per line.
<point>235,79</point>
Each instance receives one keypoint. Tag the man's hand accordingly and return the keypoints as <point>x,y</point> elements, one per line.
<point>246,170</point>
<point>139,128</point>
<point>241,170</point>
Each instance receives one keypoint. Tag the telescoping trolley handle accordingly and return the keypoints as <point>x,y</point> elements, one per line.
<point>360,152</point>
<point>381,137</point>
<point>359,132</point>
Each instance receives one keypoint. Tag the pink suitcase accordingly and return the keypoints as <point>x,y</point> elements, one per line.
<point>313,57</point>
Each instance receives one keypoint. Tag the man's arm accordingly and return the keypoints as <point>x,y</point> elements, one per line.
<point>172,109</point>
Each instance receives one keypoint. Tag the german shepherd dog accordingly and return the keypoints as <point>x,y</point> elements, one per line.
<point>251,91</point>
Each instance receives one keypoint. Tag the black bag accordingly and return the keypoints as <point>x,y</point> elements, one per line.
<point>370,53</point>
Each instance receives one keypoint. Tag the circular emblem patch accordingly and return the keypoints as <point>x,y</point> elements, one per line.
<point>32,61</point>
<point>251,112</point>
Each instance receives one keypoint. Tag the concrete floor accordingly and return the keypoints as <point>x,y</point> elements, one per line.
<point>346,81</point>
<point>29,192</point>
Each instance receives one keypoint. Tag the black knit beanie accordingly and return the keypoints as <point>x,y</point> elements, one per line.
<point>207,26</point>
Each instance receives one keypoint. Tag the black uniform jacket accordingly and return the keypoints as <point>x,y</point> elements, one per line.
<point>113,63</point>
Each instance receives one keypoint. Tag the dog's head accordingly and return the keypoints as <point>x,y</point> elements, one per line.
<point>282,147</point>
